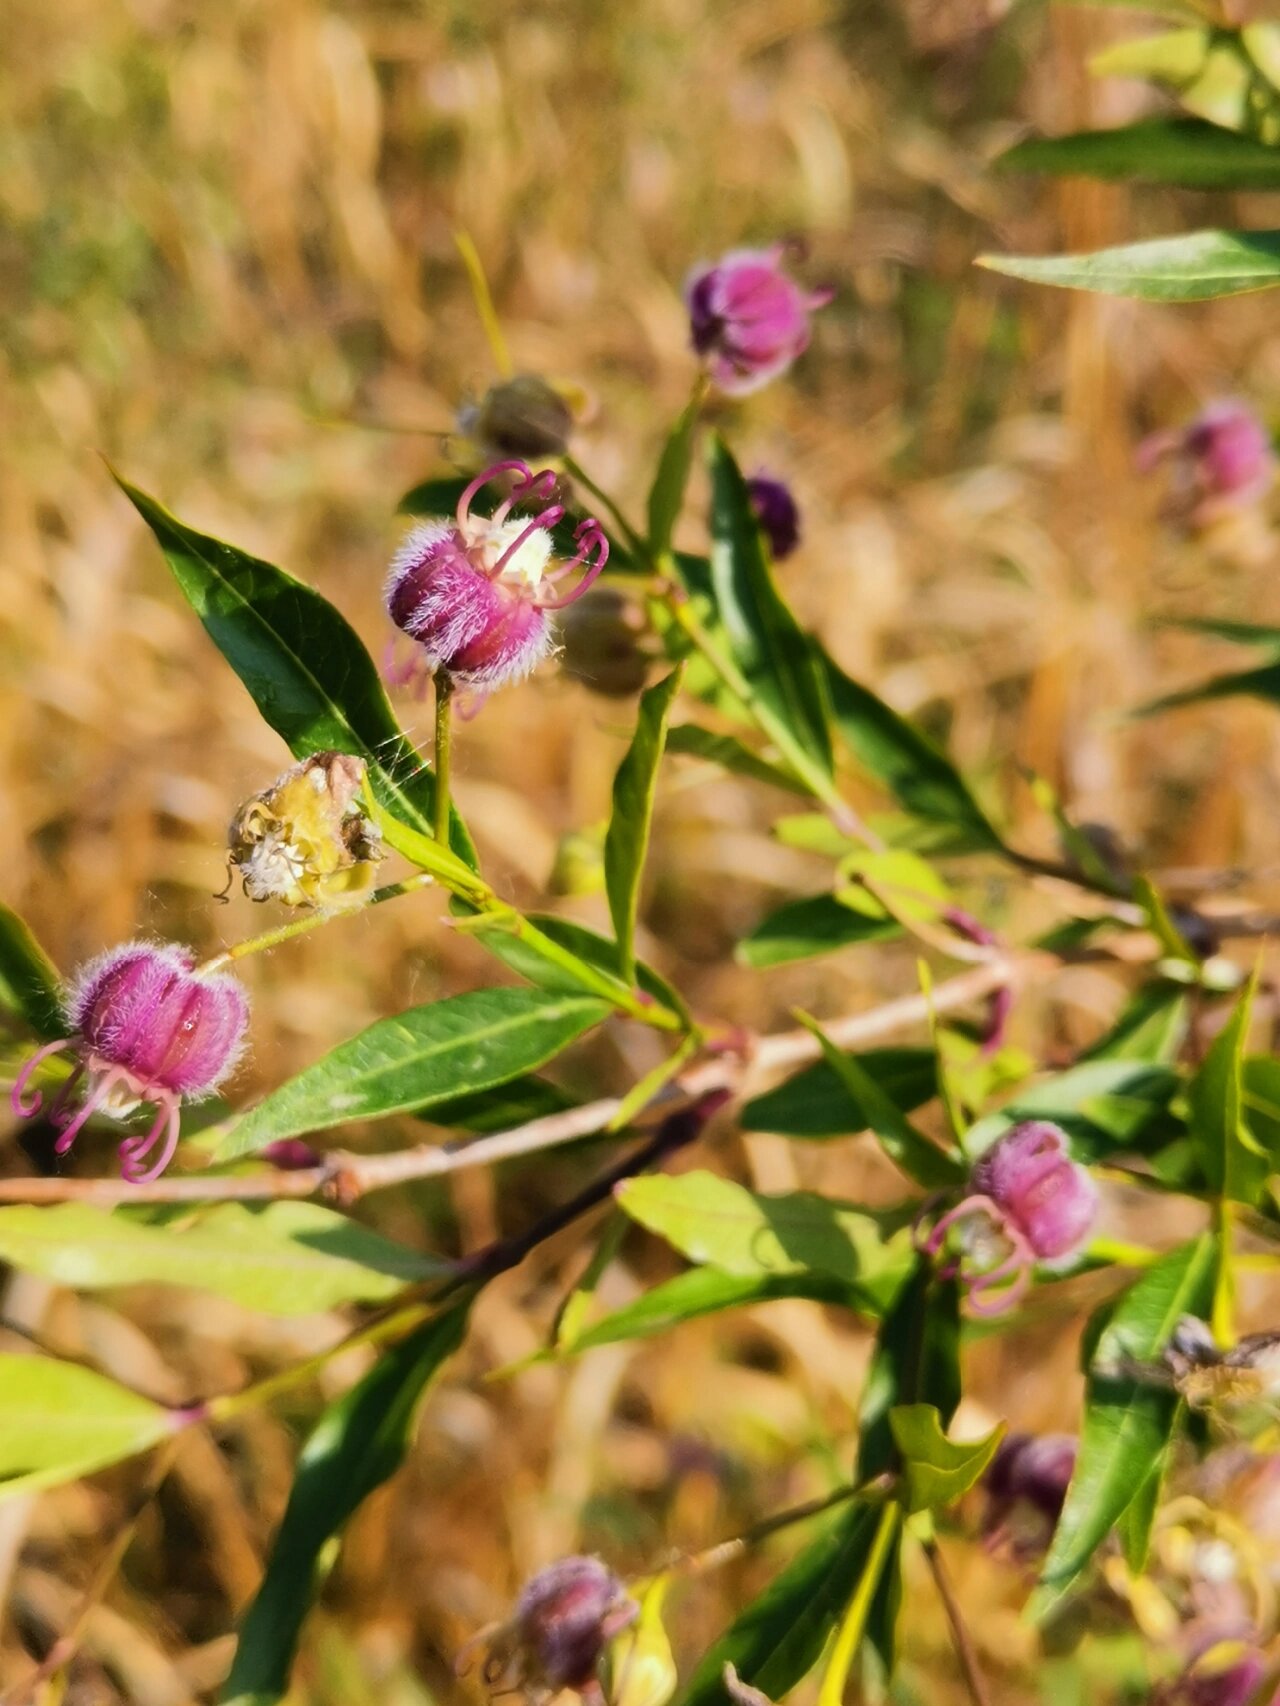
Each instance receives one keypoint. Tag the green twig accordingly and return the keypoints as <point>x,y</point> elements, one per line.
<point>443,753</point>
<point>311,921</point>
<point>855,1618</point>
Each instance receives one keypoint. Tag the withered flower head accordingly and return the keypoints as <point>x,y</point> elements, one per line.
<point>305,840</point>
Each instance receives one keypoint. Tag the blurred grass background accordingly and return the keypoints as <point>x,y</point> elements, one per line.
<point>227,263</point>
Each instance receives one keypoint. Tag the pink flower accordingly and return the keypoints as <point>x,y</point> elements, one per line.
<point>148,1027</point>
<point>563,1621</point>
<point>1221,460</point>
<point>1028,1201</point>
<point>776,511</point>
<point>476,592</point>
<point>748,319</point>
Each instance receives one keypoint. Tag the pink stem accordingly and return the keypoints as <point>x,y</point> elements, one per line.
<point>539,486</point>
<point>92,1102</point>
<point>590,537</point>
<point>26,1110</point>
<point>134,1150</point>
<point>515,466</point>
<point>962,1211</point>
<point>64,1095</point>
<point>547,518</point>
<point>1017,1263</point>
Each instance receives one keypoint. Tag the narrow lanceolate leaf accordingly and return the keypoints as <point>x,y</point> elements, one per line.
<point>1129,1420</point>
<point>764,638</point>
<point>627,839</point>
<point>1184,151</point>
<point>917,1354</point>
<point>780,1637</point>
<point>450,1048</point>
<point>709,1291</point>
<point>29,984</point>
<point>666,498</point>
<point>918,1156</point>
<point>731,754</point>
<point>819,1102</point>
<point>936,1471</point>
<point>286,1258</point>
<point>358,1443</point>
<point>1234,1164</point>
<point>1170,269</point>
<point>903,760</point>
<point>302,662</point>
<point>1262,682</point>
<point>1103,1105</point>
<point>713,1220</point>
<point>59,1421</point>
<point>819,924</point>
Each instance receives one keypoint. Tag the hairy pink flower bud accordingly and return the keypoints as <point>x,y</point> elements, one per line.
<point>1028,1201</point>
<point>476,592</point>
<point>1222,460</point>
<point>747,319</point>
<point>564,1619</point>
<point>776,511</point>
<point>1026,1485</point>
<point>149,1027</point>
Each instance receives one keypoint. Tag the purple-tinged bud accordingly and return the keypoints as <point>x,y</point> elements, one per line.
<point>1030,1176</point>
<point>602,650</point>
<point>747,319</point>
<point>1000,1001</point>
<point>1027,1201</point>
<point>563,1621</point>
<point>476,592</point>
<point>777,513</point>
<point>1230,1673</point>
<point>1222,460</point>
<point>1026,1486</point>
<point>290,1155</point>
<point>149,1027</point>
<point>521,416</point>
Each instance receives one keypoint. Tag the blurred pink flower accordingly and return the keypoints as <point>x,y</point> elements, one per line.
<point>747,319</point>
<point>1222,460</point>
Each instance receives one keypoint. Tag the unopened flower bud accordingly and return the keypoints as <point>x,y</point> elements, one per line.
<point>1026,1485</point>
<point>1028,1201</point>
<point>148,1026</point>
<point>747,319</point>
<point>524,416</point>
<point>476,592</point>
<point>305,840</point>
<point>1228,1673</point>
<point>564,1619</point>
<point>602,650</point>
<point>776,511</point>
<point>1222,460</point>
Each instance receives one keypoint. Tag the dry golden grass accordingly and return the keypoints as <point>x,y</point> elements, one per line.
<point>226,246</point>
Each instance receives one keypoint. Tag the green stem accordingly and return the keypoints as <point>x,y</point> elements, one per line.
<point>444,745</point>
<point>577,472</point>
<point>311,921</point>
<point>855,1618</point>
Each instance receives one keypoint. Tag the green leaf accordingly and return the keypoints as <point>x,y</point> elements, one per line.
<point>302,662</point>
<point>449,1048</point>
<point>1129,1421</point>
<point>1260,683</point>
<point>1163,927</point>
<point>917,1355</point>
<point>936,1471</point>
<point>358,1443</point>
<point>730,754</point>
<point>714,1220</point>
<point>819,1101</point>
<point>1170,269</point>
<point>29,982</point>
<point>666,498</point>
<point>887,746</point>
<point>627,839</point>
<point>500,1108</point>
<point>59,1421</point>
<point>779,1638</point>
<point>530,960</point>
<point>1187,152</point>
<point>818,924</point>
<point>910,1150</point>
<point>1152,1027</point>
<point>1103,1105</point>
<point>1232,1163</point>
<point>708,1291</point>
<point>286,1258</point>
<point>764,638</point>
<point>1261,1103</point>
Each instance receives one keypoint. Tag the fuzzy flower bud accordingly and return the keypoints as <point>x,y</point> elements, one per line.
<point>305,840</point>
<point>1220,461</point>
<point>1026,1485</point>
<point>563,1622</point>
<point>149,1026</point>
<point>776,511</point>
<point>1028,1201</point>
<point>476,593</point>
<point>747,319</point>
<point>522,416</point>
